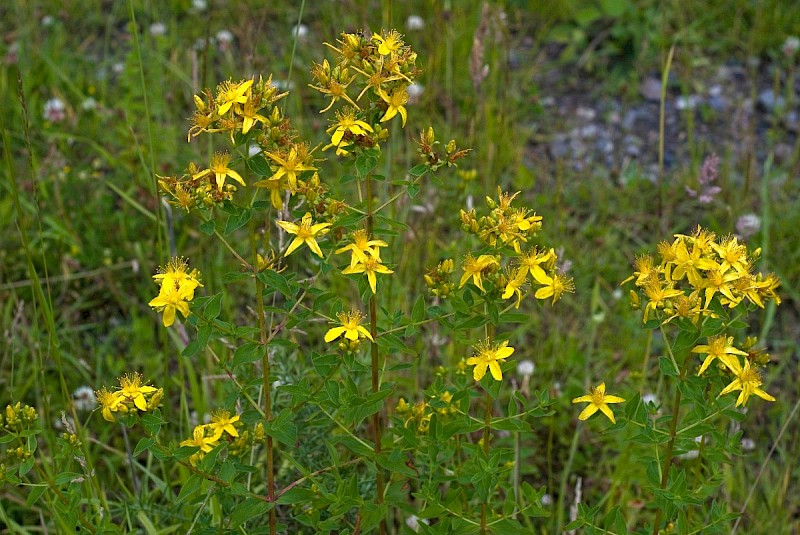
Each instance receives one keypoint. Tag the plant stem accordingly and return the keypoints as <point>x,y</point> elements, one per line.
<point>672,434</point>
<point>266,382</point>
<point>376,362</point>
<point>487,426</point>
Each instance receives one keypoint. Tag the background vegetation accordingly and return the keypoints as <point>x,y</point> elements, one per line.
<point>79,202</point>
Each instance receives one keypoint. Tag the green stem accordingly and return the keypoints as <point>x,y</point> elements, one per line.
<point>376,366</point>
<point>487,426</point>
<point>672,434</point>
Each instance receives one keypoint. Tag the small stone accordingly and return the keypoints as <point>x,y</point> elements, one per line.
<point>585,114</point>
<point>718,103</point>
<point>687,103</point>
<point>650,89</point>
<point>768,102</point>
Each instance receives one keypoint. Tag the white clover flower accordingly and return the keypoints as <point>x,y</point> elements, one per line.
<point>748,444</point>
<point>526,368</point>
<point>299,30</point>
<point>224,37</point>
<point>748,225</point>
<point>199,5</point>
<point>415,22</point>
<point>158,29</point>
<point>547,500</point>
<point>790,46</point>
<point>84,398</point>
<point>89,104</point>
<point>48,20</point>
<point>54,110</point>
<point>414,92</point>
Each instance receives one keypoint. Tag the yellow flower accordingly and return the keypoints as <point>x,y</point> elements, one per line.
<point>229,93</point>
<point>718,281</point>
<point>362,247</point>
<point>306,233</point>
<point>201,440</point>
<point>489,355</point>
<point>733,255</point>
<point>131,388</point>
<point>275,186</point>
<point>109,401</point>
<point>748,380</point>
<point>176,273</point>
<point>658,294</point>
<point>554,286</point>
<point>173,298</point>
<point>598,400</point>
<point>390,44</point>
<point>290,166</point>
<point>370,266</point>
<point>688,263</point>
<point>396,101</point>
<point>249,114</point>
<point>644,267</point>
<point>514,284</point>
<point>219,168</point>
<point>719,347</point>
<point>533,260</point>
<point>475,267</point>
<point>221,421</point>
<point>351,327</point>
<point>346,122</point>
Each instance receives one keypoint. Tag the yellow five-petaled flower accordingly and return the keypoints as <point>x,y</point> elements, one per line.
<point>489,355</point>
<point>748,380</point>
<point>351,327</point>
<point>306,232</point>
<point>598,401</point>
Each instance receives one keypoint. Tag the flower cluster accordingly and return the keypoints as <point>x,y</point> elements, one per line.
<point>18,417</point>
<point>746,376</point>
<point>431,155</point>
<point>131,397</point>
<point>207,436</point>
<point>417,416</point>
<point>504,229</point>
<point>244,108</point>
<point>381,67</point>
<point>178,284</point>
<point>365,257</point>
<point>695,270</point>
<point>438,279</point>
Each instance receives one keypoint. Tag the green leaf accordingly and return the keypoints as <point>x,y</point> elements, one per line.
<point>667,367</point>
<point>213,307</point>
<point>418,170</point>
<point>418,312</point>
<point>144,444</point>
<point>247,353</point>
<point>237,219</point>
<point>364,164</point>
<point>473,323</point>
<point>248,509</point>
<point>685,341</point>
<point>35,493</point>
<point>207,227</point>
<point>324,364</point>
<point>283,428</point>
<point>613,8</point>
<point>66,477</point>
<point>276,281</point>
<point>412,190</point>
<point>191,488</point>
<point>259,165</point>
